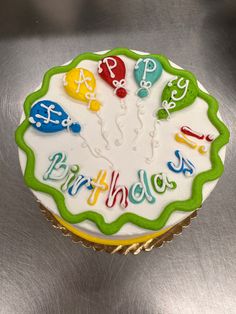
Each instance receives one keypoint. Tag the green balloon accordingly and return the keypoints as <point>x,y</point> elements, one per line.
<point>174,92</point>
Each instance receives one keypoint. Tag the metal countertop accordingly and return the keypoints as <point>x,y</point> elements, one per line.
<point>43,272</point>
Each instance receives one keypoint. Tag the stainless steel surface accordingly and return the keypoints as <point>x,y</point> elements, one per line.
<point>43,272</point>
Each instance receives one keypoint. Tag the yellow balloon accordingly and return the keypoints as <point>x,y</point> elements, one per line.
<point>80,84</point>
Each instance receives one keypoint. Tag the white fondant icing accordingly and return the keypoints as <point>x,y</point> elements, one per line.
<point>123,157</point>
<point>64,80</point>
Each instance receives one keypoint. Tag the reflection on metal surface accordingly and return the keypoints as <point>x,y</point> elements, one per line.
<point>40,271</point>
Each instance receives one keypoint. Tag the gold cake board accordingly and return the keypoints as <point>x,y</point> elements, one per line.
<point>134,248</point>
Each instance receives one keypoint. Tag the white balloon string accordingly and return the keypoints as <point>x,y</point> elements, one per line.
<point>140,113</point>
<point>104,134</point>
<point>96,152</point>
<point>119,141</point>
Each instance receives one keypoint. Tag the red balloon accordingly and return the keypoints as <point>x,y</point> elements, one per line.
<point>112,70</point>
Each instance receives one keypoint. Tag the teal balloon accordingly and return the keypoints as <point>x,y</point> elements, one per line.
<point>146,72</point>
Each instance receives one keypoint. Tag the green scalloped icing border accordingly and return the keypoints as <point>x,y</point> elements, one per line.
<point>188,205</point>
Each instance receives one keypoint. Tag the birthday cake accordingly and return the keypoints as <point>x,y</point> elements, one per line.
<point>120,146</point>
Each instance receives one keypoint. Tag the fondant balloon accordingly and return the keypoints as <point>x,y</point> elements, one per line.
<point>48,116</point>
<point>80,84</point>
<point>177,94</point>
<point>112,70</point>
<point>146,72</point>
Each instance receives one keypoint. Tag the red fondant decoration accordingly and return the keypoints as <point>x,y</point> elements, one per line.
<point>209,137</point>
<point>112,70</point>
<point>188,131</point>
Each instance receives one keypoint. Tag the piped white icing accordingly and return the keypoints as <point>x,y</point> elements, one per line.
<point>118,84</point>
<point>110,67</point>
<point>154,143</point>
<point>168,105</point>
<point>104,134</point>
<point>181,86</point>
<point>47,119</point>
<point>83,80</point>
<point>96,152</point>
<point>119,124</point>
<point>140,113</point>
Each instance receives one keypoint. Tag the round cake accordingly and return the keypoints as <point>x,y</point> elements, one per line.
<point>120,147</point>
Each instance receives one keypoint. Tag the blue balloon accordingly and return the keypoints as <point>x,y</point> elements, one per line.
<point>48,116</point>
<point>146,72</point>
